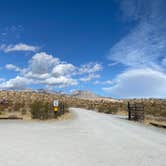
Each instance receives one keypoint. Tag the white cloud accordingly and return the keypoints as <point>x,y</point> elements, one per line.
<point>60,81</point>
<point>89,71</point>
<point>18,47</point>
<point>12,67</point>
<point>145,44</point>
<point>15,83</point>
<point>34,76</point>
<point>49,71</point>
<point>42,63</point>
<point>142,50</point>
<point>142,47</point>
<point>90,68</point>
<point>63,69</point>
<point>113,64</point>
<point>138,83</point>
<point>89,77</point>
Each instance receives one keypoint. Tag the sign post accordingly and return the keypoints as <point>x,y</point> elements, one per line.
<point>56,105</point>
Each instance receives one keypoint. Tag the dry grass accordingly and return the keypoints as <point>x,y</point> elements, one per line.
<point>28,104</point>
<point>21,102</point>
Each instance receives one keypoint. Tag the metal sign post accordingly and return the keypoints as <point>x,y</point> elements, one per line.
<point>56,105</point>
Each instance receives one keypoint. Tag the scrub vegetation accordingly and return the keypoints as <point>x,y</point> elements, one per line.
<point>39,105</point>
<point>30,105</point>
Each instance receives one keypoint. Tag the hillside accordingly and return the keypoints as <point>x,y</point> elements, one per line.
<point>84,95</point>
<point>90,96</point>
<point>20,102</point>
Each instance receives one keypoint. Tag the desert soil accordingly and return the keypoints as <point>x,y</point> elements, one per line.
<point>87,139</point>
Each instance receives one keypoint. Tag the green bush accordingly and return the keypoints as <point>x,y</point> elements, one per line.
<point>107,108</point>
<point>40,110</point>
<point>44,110</point>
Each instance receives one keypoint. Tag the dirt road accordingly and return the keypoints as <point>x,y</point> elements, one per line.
<point>89,139</point>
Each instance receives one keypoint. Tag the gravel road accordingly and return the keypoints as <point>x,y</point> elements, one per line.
<point>89,139</point>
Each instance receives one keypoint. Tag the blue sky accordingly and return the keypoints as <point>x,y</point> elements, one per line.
<point>114,48</point>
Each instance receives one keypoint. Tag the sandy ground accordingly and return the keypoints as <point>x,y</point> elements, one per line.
<point>88,139</point>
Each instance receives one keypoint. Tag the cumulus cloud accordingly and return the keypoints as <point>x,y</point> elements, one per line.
<point>49,71</point>
<point>31,75</point>
<point>138,83</point>
<point>12,67</point>
<point>42,63</point>
<point>15,83</point>
<point>60,81</point>
<point>18,47</point>
<point>63,69</point>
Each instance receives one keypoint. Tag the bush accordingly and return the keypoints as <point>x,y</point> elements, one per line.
<point>107,108</point>
<point>40,110</point>
<point>44,110</point>
<point>23,111</point>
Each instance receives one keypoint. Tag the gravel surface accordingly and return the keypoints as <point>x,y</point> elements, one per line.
<point>89,139</point>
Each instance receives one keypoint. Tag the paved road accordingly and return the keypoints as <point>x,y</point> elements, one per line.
<point>89,139</point>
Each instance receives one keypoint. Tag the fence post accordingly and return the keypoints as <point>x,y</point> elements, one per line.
<point>129,112</point>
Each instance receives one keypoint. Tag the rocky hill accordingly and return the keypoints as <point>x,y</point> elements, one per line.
<point>84,94</point>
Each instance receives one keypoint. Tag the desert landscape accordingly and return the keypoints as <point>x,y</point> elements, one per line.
<point>19,103</point>
<point>83,83</point>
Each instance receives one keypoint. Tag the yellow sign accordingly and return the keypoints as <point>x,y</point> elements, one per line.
<point>56,109</point>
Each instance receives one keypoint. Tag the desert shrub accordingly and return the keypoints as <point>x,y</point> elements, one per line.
<point>163,113</point>
<point>107,108</point>
<point>40,110</point>
<point>66,107</point>
<point>17,106</point>
<point>4,106</point>
<point>89,107</point>
<point>1,108</point>
<point>34,109</point>
<point>23,111</point>
<point>44,110</point>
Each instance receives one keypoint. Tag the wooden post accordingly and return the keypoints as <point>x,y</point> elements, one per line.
<point>129,112</point>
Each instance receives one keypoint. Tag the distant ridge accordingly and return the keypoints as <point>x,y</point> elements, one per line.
<point>84,94</point>
<point>90,96</point>
<point>79,94</point>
